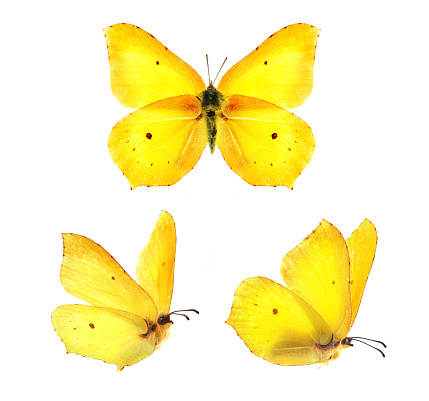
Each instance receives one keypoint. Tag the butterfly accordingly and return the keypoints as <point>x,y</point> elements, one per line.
<point>308,320</point>
<point>245,116</point>
<point>127,322</point>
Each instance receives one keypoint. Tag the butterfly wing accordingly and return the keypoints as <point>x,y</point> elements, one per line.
<point>160,143</point>
<point>143,70</point>
<point>155,268</point>
<point>276,324</point>
<point>279,71</point>
<point>361,246</point>
<point>119,328</point>
<point>111,335</point>
<point>89,273</point>
<point>263,143</point>
<point>318,271</point>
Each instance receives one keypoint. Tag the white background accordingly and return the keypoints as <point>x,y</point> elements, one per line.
<point>368,111</point>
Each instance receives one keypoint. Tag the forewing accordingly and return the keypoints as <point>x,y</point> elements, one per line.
<point>155,268</point>
<point>279,71</point>
<point>89,273</point>
<point>110,335</point>
<point>277,325</point>
<point>361,246</point>
<point>318,271</point>
<point>160,143</point>
<point>143,70</point>
<point>263,143</point>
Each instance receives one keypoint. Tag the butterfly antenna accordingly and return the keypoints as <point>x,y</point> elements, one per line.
<point>164,319</point>
<point>183,310</point>
<point>208,69</point>
<point>369,339</point>
<point>224,61</point>
<point>348,340</point>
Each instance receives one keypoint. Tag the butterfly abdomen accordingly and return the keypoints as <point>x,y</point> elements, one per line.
<point>211,101</point>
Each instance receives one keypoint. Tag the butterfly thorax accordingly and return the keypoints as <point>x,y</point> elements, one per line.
<point>211,101</point>
<point>329,352</point>
<point>158,332</point>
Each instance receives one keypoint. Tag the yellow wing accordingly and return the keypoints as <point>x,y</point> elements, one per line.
<point>279,71</point>
<point>277,325</point>
<point>143,70</point>
<point>361,246</point>
<point>110,335</point>
<point>160,143</point>
<point>155,268</point>
<point>318,271</point>
<point>263,143</point>
<point>89,273</point>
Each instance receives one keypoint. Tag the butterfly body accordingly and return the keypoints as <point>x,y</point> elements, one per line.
<point>157,332</point>
<point>177,114</point>
<point>211,101</point>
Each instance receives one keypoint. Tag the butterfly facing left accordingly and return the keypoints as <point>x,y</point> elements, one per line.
<point>177,115</point>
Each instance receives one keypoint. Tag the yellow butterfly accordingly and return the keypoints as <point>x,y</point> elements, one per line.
<point>308,320</point>
<point>127,321</point>
<point>177,115</point>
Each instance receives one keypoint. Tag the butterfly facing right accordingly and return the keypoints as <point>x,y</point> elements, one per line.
<point>126,321</point>
<point>308,320</point>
